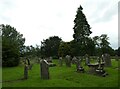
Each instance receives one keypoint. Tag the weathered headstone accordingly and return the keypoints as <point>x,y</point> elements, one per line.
<point>79,66</point>
<point>74,60</point>
<point>44,69</point>
<point>68,61</point>
<point>26,71</point>
<point>60,61</point>
<point>107,59</point>
<point>87,59</point>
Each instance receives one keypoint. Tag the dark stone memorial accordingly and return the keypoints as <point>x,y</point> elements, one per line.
<point>44,67</point>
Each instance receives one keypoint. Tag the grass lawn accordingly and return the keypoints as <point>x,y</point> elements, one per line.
<point>59,77</point>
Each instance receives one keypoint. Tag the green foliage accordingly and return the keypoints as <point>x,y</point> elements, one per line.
<point>64,49</point>
<point>50,46</point>
<point>12,45</point>
<point>102,45</point>
<point>32,51</point>
<point>81,27</point>
<point>81,34</point>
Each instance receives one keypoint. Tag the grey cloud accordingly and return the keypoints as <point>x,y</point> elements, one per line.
<point>104,11</point>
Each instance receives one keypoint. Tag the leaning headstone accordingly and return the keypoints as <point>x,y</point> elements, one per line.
<point>87,59</point>
<point>44,69</point>
<point>60,61</point>
<point>68,61</point>
<point>107,59</point>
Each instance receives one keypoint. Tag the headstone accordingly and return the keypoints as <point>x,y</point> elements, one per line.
<point>87,59</point>
<point>44,69</point>
<point>74,60</point>
<point>60,61</point>
<point>107,59</point>
<point>26,71</point>
<point>68,61</point>
<point>79,66</point>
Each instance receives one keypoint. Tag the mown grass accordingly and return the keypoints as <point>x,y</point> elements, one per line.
<point>59,77</point>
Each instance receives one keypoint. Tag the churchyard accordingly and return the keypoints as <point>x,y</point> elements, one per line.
<point>83,61</point>
<point>62,74</point>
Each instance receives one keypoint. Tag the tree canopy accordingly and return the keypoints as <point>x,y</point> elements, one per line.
<point>81,33</point>
<point>50,46</point>
<point>12,45</point>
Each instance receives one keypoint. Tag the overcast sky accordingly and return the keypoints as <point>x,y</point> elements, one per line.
<point>40,19</point>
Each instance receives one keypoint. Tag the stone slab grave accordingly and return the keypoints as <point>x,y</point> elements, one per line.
<point>68,60</point>
<point>98,68</point>
<point>60,61</point>
<point>44,69</point>
<point>79,66</point>
<point>106,58</point>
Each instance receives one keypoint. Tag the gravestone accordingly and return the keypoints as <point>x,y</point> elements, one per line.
<point>106,58</point>
<point>26,68</point>
<point>87,59</point>
<point>68,61</point>
<point>74,60</point>
<point>79,66</point>
<point>44,67</point>
<point>60,61</point>
<point>26,71</point>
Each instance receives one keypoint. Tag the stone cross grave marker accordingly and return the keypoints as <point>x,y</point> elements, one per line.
<point>44,67</point>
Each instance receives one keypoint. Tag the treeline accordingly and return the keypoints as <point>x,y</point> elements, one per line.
<point>13,43</point>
